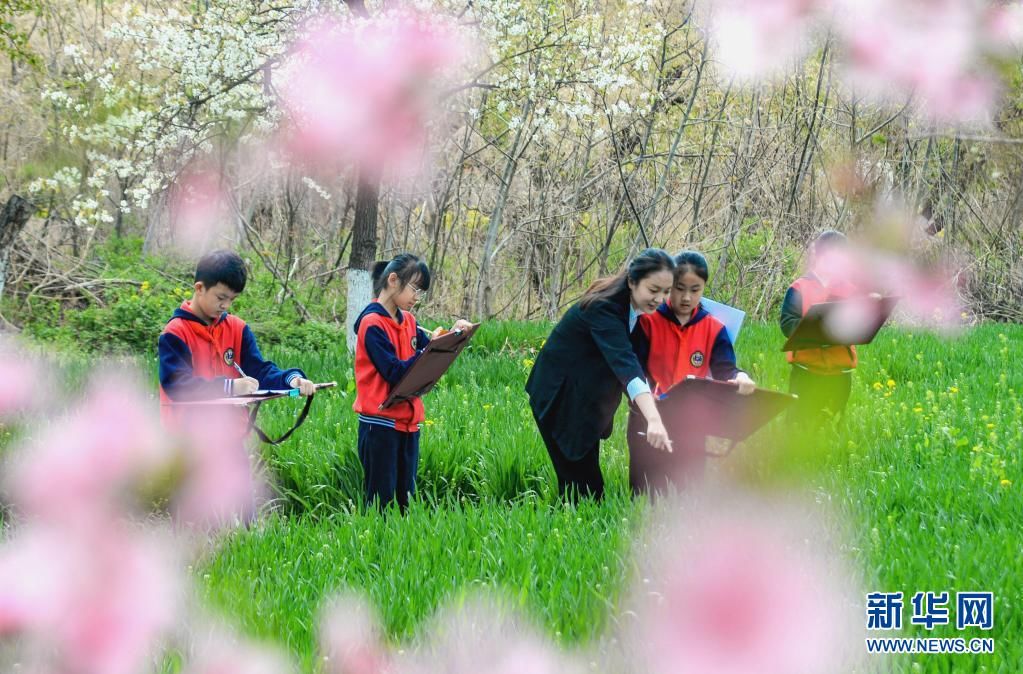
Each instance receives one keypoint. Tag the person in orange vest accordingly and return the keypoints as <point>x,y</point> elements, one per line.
<point>821,377</point>
<point>678,340</point>
<point>207,353</point>
<point>389,341</point>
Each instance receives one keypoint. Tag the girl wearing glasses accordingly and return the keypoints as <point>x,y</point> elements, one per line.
<point>389,341</point>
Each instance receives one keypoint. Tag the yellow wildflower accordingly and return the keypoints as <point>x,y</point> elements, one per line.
<point>1006,483</point>
<point>891,383</point>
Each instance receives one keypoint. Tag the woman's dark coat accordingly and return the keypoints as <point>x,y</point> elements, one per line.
<point>581,372</point>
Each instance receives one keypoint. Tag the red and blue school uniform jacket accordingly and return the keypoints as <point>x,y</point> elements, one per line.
<point>671,351</point>
<point>197,360</point>
<point>385,348</point>
<point>805,292</point>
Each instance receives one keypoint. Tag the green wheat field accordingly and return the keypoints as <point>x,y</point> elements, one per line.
<point>925,471</point>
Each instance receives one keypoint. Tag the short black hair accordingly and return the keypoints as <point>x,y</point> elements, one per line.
<point>829,239</point>
<point>407,266</point>
<point>222,266</point>
<point>690,260</point>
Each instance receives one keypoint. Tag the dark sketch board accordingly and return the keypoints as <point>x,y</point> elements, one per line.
<point>431,365</point>
<point>715,408</point>
<point>812,331</point>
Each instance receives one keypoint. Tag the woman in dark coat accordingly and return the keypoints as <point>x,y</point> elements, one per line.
<point>588,362</point>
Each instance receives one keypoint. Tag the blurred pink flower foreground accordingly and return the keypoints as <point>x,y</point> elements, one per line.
<point>935,52</point>
<point>364,90</point>
<point>25,383</point>
<point>200,208</point>
<point>756,38</point>
<point>735,587</point>
<point>938,55</point>
<point>97,585</point>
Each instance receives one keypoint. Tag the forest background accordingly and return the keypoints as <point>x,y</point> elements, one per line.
<point>579,133</point>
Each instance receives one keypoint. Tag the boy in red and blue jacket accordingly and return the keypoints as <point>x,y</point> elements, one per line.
<point>207,353</point>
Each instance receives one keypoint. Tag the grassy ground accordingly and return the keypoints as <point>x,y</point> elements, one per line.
<point>926,470</point>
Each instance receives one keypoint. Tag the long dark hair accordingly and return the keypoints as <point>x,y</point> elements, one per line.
<point>690,260</point>
<point>650,261</point>
<point>407,266</point>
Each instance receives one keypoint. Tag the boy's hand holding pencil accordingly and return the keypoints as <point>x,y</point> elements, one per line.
<point>244,385</point>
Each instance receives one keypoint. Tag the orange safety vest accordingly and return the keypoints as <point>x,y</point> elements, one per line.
<point>829,359</point>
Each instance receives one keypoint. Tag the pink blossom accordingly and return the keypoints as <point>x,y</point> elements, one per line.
<point>742,587</point>
<point>25,384</point>
<point>200,208</point>
<point>93,600</point>
<point>854,320</point>
<point>79,468</point>
<point>484,636</point>
<point>933,51</point>
<point>889,259</point>
<point>221,653</point>
<point>351,639</point>
<point>219,486</point>
<point>755,38</point>
<point>1004,25</point>
<point>34,565</point>
<point>363,90</point>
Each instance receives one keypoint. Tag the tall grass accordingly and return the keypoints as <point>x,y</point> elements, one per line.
<point>925,469</point>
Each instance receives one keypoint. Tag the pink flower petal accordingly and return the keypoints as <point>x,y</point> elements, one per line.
<point>739,588</point>
<point>25,383</point>
<point>200,213</point>
<point>362,91</point>
<point>352,640</point>
<point>95,600</point>
<point>79,469</point>
<point>220,487</point>
<point>755,38</point>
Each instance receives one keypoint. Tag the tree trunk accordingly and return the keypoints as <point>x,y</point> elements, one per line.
<point>15,215</point>
<point>364,251</point>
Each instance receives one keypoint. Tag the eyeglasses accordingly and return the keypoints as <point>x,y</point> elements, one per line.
<point>419,292</point>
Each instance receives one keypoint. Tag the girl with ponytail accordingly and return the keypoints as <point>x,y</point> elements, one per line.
<point>680,339</point>
<point>388,343</point>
